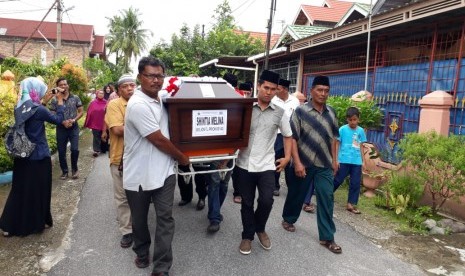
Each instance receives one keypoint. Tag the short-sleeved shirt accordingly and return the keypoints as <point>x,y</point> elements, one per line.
<point>144,164</point>
<point>259,155</point>
<point>350,141</point>
<point>314,132</point>
<point>71,104</point>
<point>114,117</point>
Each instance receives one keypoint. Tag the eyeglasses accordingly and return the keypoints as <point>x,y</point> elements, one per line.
<point>153,77</point>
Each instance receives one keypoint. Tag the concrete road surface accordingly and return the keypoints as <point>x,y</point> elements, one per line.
<point>92,246</point>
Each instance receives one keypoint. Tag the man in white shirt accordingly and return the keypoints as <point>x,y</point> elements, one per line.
<point>148,173</point>
<point>256,163</point>
<point>289,103</point>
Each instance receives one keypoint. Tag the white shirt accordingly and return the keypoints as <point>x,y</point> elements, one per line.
<point>288,105</point>
<point>144,164</point>
<point>259,155</point>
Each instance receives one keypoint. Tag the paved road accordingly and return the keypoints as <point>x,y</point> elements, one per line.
<point>94,243</point>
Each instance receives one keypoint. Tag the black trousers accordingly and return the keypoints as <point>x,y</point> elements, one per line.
<point>254,221</point>
<point>186,189</point>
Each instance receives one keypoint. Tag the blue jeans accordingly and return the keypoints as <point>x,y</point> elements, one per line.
<point>217,190</point>
<point>355,173</point>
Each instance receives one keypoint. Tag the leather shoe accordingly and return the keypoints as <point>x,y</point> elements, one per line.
<point>126,241</point>
<point>142,262</point>
<point>200,204</point>
<point>159,274</point>
<point>183,202</point>
<point>213,227</point>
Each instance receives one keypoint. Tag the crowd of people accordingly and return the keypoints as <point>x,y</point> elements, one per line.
<point>289,133</point>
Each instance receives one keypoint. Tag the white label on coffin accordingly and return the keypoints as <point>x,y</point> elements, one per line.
<point>209,122</point>
<point>207,90</point>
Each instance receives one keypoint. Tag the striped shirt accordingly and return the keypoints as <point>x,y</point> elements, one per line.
<point>259,155</point>
<point>314,133</point>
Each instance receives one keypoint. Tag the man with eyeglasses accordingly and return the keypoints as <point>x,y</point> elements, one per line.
<point>148,173</point>
<point>114,118</point>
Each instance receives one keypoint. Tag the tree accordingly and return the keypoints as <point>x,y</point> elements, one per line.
<point>191,48</point>
<point>126,38</point>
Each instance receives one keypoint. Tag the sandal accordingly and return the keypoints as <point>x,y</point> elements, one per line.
<point>332,246</point>
<point>309,208</point>
<point>288,226</point>
<point>354,210</point>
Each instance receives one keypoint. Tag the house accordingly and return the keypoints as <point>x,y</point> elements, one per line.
<point>78,41</point>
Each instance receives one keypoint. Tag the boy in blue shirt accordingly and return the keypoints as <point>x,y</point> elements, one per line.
<point>351,136</point>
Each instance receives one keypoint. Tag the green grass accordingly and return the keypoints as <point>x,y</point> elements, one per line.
<point>379,216</point>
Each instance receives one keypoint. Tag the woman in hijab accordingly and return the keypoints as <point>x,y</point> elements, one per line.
<point>94,121</point>
<point>27,209</point>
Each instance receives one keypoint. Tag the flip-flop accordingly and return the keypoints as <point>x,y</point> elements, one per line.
<point>354,211</point>
<point>309,208</point>
<point>332,246</point>
<point>288,226</point>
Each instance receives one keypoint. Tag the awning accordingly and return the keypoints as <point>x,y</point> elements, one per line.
<point>232,62</point>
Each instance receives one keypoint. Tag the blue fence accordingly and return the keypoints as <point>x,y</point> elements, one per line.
<point>397,90</point>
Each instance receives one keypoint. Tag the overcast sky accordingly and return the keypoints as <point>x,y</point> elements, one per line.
<point>162,17</point>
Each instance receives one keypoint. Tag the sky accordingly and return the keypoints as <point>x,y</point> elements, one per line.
<point>162,17</point>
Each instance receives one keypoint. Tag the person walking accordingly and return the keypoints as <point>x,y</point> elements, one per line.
<point>289,103</point>
<point>256,164</point>
<point>27,208</point>
<point>351,138</point>
<point>314,135</point>
<point>148,170</point>
<point>114,119</point>
<point>68,131</point>
<point>95,120</point>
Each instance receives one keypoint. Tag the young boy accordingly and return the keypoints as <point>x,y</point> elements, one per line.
<point>351,136</point>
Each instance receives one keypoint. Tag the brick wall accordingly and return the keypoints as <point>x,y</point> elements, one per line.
<point>75,52</point>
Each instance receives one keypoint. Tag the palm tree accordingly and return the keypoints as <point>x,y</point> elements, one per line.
<point>126,38</point>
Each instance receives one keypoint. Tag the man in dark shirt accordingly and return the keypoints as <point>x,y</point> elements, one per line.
<point>314,133</point>
<point>69,129</point>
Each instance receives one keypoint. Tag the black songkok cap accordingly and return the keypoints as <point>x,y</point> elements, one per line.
<point>269,76</point>
<point>245,86</point>
<point>320,80</point>
<point>284,83</point>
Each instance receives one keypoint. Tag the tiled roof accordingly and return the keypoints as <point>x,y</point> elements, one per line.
<point>333,13</point>
<point>24,28</point>
<point>295,32</point>
<point>304,31</point>
<point>98,46</point>
<point>260,36</point>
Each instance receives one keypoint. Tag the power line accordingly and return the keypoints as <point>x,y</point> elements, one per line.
<point>21,11</point>
<point>69,18</point>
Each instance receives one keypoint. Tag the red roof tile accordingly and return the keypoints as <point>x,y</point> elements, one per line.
<point>98,46</point>
<point>69,32</point>
<point>333,13</point>
<point>260,36</point>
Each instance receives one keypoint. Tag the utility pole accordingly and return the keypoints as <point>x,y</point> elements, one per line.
<point>268,36</point>
<point>35,30</point>
<point>59,19</point>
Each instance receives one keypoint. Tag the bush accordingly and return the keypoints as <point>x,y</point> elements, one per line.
<point>438,162</point>
<point>370,113</point>
<point>406,185</point>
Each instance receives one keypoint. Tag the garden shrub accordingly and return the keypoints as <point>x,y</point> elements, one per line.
<point>406,185</point>
<point>370,113</point>
<point>438,162</point>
